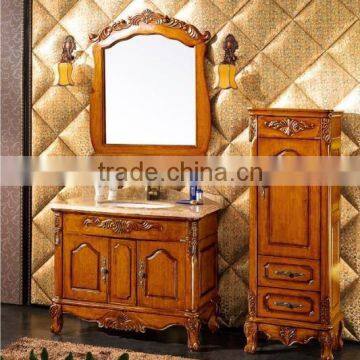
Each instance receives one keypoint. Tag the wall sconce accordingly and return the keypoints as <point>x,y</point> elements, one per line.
<point>65,66</point>
<point>227,68</point>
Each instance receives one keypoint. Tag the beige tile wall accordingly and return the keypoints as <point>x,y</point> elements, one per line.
<point>293,53</point>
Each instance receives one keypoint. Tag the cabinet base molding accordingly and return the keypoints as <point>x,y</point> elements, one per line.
<point>330,338</point>
<point>138,319</point>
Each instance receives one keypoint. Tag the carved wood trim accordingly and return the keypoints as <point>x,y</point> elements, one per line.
<point>252,127</point>
<point>58,228</point>
<point>252,304</point>
<point>122,226</point>
<point>56,316</point>
<point>193,326</point>
<point>192,239</point>
<point>149,17</point>
<point>325,311</point>
<point>288,335</point>
<point>289,126</point>
<point>326,130</point>
<point>121,320</point>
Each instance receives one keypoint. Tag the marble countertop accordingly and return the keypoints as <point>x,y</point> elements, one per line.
<point>111,208</point>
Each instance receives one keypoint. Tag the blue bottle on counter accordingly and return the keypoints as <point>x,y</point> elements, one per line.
<point>193,189</point>
<point>193,185</point>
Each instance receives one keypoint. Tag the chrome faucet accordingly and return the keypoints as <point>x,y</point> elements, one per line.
<point>152,192</point>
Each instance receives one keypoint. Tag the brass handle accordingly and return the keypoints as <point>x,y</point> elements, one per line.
<point>288,305</point>
<point>141,274</point>
<point>263,190</point>
<point>289,274</point>
<point>104,270</point>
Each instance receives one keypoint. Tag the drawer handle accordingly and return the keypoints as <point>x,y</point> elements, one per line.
<point>288,305</point>
<point>141,274</point>
<point>289,274</point>
<point>104,270</point>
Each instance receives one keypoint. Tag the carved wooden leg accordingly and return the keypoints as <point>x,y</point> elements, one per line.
<point>213,322</point>
<point>193,326</point>
<point>326,340</point>
<point>337,340</point>
<point>251,333</point>
<point>56,315</point>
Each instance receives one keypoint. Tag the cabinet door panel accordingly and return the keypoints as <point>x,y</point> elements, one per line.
<point>161,274</point>
<point>123,272</point>
<point>84,256</point>
<point>289,216</point>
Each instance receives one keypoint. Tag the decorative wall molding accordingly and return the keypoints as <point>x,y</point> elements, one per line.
<point>122,226</point>
<point>150,17</point>
<point>289,126</point>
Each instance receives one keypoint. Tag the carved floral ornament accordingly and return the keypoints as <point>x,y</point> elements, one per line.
<point>289,126</point>
<point>122,226</point>
<point>150,18</point>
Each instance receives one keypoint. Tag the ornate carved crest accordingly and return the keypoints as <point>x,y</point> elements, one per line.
<point>325,311</point>
<point>287,335</point>
<point>120,320</point>
<point>252,304</point>
<point>122,226</point>
<point>252,127</point>
<point>326,130</point>
<point>58,228</point>
<point>289,126</point>
<point>230,46</point>
<point>150,17</point>
<point>192,238</point>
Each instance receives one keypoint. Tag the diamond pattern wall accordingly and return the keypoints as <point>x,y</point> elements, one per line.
<point>300,53</point>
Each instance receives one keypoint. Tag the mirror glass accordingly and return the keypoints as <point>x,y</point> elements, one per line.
<point>150,92</point>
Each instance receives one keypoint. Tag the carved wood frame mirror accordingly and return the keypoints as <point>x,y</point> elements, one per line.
<point>149,23</point>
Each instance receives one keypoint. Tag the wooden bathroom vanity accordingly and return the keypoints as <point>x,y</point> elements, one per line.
<point>132,269</point>
<point>294,286</point>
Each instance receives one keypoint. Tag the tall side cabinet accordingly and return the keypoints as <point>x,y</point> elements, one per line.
<point>294,289</point>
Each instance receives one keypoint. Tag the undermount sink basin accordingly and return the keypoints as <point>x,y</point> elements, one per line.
<point>143,205</point>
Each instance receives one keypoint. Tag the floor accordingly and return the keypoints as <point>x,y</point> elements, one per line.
<point>33,321</point>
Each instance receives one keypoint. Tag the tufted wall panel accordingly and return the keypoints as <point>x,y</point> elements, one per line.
<point>300,53</point>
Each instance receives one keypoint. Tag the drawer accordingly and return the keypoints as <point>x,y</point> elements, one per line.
<point>289,273</point>
<point>288,127</point>
<point>288,304</point>
<point>120,227</point>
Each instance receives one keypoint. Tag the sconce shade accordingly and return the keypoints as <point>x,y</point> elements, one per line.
<point>227,76</point>
<point>65,73</point>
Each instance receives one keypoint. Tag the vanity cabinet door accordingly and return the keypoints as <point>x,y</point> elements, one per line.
<point>123,271</point>
<point>289,216</point>
<point>161,274</point>
<point>85,267</point>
